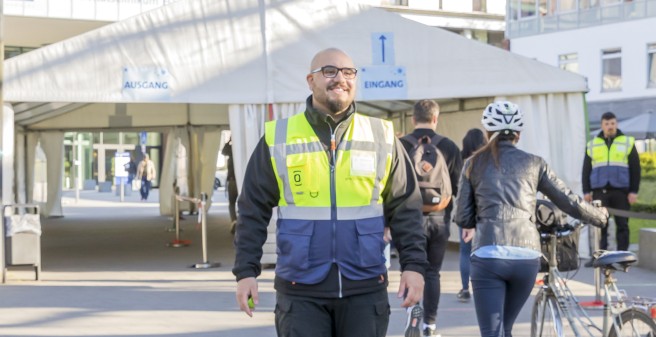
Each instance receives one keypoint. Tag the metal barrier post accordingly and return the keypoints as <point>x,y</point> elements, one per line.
<point>176,220</point>
<point>2,245</point>
<point>594,233</point>
<point>203,218</point>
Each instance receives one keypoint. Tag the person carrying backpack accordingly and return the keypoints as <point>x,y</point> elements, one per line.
<point>437,163</point>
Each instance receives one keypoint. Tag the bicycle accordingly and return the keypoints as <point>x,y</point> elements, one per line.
<point>555,299</point>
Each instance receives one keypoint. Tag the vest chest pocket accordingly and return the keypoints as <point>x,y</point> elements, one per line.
<point>293,243</point>
<point>363,163</point>
<point>304,170</point>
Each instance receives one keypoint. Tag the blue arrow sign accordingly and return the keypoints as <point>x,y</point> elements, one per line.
<point>382,47</point>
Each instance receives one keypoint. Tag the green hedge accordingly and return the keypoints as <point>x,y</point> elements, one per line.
<point>645,208</point>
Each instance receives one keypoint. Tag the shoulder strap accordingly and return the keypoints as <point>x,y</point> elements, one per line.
<point>437,139</point>
<point>410,138</point>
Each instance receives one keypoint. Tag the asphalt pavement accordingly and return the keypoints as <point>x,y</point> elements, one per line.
<point>109,269</point>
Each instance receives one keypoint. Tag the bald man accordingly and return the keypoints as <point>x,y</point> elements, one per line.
<point>338,179</point>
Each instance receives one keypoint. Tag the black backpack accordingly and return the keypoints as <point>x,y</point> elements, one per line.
<point>431,170</point>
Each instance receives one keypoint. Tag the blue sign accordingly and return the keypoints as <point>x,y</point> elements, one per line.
<point>382,48</point>
<point>383,83</point>
<point>143,137</point>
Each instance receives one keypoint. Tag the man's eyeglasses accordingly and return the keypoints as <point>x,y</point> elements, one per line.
<point>331,72</point>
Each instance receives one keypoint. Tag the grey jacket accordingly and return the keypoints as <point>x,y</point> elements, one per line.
<point>500,202</point>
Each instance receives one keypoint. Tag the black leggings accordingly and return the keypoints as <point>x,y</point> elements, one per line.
<point>501,288</point>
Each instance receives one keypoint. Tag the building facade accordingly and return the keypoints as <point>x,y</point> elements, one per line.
<point>611,42</point>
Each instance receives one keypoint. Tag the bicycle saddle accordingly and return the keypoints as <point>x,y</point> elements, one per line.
<point>616,260</point>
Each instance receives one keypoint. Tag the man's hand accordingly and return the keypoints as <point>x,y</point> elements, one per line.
<point>413,282</point>
<point>587,197</point>
<point>632,197</point>
<point>468,234</point>
<point>245,287</point>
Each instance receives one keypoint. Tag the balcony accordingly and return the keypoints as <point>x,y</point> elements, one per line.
<point>534,25</point>
<point>94,10</point>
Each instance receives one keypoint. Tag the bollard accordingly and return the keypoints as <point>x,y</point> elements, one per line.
<point>203,222</point>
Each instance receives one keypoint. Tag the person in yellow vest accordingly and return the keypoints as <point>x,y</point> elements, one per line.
<point>338,178</point>
<point>611,173</point>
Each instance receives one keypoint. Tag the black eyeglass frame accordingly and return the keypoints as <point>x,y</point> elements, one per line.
<point>323,72</point>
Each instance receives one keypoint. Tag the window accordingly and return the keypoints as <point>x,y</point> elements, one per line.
<point>569,62</point>
<point>528,8</point>
<point>611,75</point>
<point>566,5</point>
<point>651,65</point>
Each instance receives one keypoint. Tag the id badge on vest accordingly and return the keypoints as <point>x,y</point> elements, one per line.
<point>363,163</point>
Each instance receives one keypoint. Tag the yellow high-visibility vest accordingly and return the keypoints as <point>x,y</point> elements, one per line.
<point>610,166</point>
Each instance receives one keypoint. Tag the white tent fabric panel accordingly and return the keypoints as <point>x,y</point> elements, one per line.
<point>555,130</point>
<point>257,52</point>
<point>45,155</point>
<point>7,154</point>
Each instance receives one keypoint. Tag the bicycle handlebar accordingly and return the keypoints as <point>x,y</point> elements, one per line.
<point>561,231</point>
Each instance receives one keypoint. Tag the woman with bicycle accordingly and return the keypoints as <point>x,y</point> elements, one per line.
<point>496,206</point>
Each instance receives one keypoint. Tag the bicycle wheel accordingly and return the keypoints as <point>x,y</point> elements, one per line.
<point>545,318</point>
<point>633,323</point>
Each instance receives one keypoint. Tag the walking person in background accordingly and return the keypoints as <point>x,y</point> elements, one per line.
<point>131,168</point>
<point>611,173</point>
<point>337,178</point>
<point>146,172</point>
<point>436,219</point>
<point>231,185</point>
<point>497,198</point>
<point>473,140</point>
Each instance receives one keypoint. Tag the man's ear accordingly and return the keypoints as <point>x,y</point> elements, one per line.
<point>310,80</point>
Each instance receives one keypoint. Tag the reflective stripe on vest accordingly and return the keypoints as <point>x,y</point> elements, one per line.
<point>610,166</point>
<point>348,232</point>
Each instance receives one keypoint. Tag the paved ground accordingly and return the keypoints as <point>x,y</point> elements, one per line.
<point>107,271</point>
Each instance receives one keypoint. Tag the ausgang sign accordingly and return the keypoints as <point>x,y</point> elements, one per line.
<point>383,83</point>
<point>148,82</point>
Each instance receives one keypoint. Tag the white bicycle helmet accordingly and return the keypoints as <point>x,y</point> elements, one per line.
<point>502,115</point>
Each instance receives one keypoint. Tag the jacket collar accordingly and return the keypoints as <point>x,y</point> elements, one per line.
<point>316,117</point>
<point>601,134</point>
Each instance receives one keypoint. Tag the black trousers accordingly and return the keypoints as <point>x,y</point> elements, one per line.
<point>364,315</point>
<point>614,199</point>
<point>437,236</point>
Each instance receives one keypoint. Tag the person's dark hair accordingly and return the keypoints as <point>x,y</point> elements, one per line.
<point>474,140</point>
<point>608,115</point>
<point>489,151</point>
<point>424,110</point>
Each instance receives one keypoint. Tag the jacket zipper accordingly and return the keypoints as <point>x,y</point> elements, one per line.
<point>333,199</point>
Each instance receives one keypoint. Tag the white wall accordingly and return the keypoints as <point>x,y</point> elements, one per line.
<point>631,36</point>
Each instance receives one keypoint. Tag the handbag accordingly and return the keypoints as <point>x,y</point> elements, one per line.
<point>550,219</point>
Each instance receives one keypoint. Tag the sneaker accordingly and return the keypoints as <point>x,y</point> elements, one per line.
<point>428,332</point>
<point>415,315</point>
<point>464,296</point>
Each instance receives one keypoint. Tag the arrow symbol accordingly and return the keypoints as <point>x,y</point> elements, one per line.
<point>382,39</point>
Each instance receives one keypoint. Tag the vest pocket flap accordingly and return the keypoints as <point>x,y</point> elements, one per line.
<point>296,227</point>
<point>294,160</point>
<point>369,226</point>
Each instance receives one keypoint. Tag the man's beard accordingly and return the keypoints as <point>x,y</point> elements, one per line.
<point>335,106</point>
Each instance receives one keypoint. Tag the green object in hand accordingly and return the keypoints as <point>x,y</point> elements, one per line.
<point>251,304</point>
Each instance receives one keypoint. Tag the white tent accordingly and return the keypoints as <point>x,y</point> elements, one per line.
<point>200,63</point>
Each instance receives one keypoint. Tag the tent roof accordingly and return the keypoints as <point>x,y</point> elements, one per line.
<point>250,51</point>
